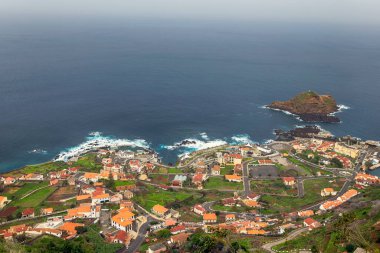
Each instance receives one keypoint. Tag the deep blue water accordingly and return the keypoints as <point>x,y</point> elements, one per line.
<point>166,81</point>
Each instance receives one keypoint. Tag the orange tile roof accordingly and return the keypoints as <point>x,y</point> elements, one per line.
<point>69,227</point>
<point>159,209</point>
<point>209,216</point>
<point>83,197</point>
<point>2,198</point>
<point>233,177</point>
<point>91,175</point>
<point>255,232</point>
<point>124,218</point>
<point>251,203</point>
<point>230,216</point>
<point>101,196</point>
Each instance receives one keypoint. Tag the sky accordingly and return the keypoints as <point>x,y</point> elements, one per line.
<point>319,11</point>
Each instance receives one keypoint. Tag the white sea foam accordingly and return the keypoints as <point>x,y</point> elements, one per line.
<point>268,141</point>
<point>195,144</point>
<point>38,151</point>
<point>96,141</point>
<point>242,139</point>
<point>186,146</point>
<point>341,108</point>
<point>204,136</point>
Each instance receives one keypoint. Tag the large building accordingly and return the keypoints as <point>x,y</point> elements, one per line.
<point>346,150</point>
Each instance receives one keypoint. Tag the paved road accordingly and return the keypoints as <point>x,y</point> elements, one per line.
<point>246,183</point>
<point>300,188</point>
<point>290,236</point>
<point>136,243</point>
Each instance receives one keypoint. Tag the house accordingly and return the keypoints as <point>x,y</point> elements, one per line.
<point>46,211</point>
<point>128,194</point>
<point>265,162</point>
<point>238,169</point>
<point>311,223</point>
<point>209,218</point>
<point>71,180</point>
<point>53,182</point>
<point>121,237</point>
<point>251,203</point>
<point>135,165</point>
<point>306,213</point>
<point>328,205</point>
<point>127,204</point>
<point>32,177</point>
<point>328,192</point>
<point>198,179</point>
<point>289,181</point>
<point>91,177</point>
<point>199,209</point>
<point>123,220</point>
<point>9,180</point>
<point>85,210</point>
<point>28,212</point>
<point>156,248</point>
<point>160,210</point>
<point>348,195</point>
<point>215,170</point>
<point>83,197</point>
<point>178,229</point>
<point>366,179</point>
<point>179,239</point>
<point>3,201</point>
<point>228,202</point>
<point>237,158</point>
<point>100,198</point>
<point>253,196</point>
<point>70,228</point>
<point>326,145</point>
<point>230,217</point>
<point>345,161</point>
<point>179,180</point>
<point>233,178</point>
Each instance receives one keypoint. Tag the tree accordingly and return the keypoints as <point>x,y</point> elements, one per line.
<point>337,162</point>
<point>314,249</point>
<point>164,233</point>
<point>81,229</point>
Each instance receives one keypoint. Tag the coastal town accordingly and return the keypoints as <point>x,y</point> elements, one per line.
<point>237,198</point>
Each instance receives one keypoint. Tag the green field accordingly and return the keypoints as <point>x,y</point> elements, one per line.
<point>40,168</point>
<point>219,207</point>
<point>312,188</point>
<point>25,189</point>
<point>174,171</point>
<point>275,186</point>
<point>226,170</point>
<point>220,183</point>
<point>122,182</point>
<point>89,163</point>
<point>155,196</point>
<point>35,199</point>
<point>306,168</point>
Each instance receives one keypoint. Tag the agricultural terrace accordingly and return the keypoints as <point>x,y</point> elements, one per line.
<point>272,186</point>
<point>219,183</point>
<point>313,187</point>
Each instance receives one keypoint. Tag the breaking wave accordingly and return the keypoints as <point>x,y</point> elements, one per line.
<point>94,141</point>
<point>38,151</point>
<point>241,139</point>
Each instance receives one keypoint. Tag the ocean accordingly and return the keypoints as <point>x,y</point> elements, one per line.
<point>156,83</point>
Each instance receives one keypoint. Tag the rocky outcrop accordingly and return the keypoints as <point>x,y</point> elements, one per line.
<point>310,107</point>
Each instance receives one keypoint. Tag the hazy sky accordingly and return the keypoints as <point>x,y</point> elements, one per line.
<point>331,11</point>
